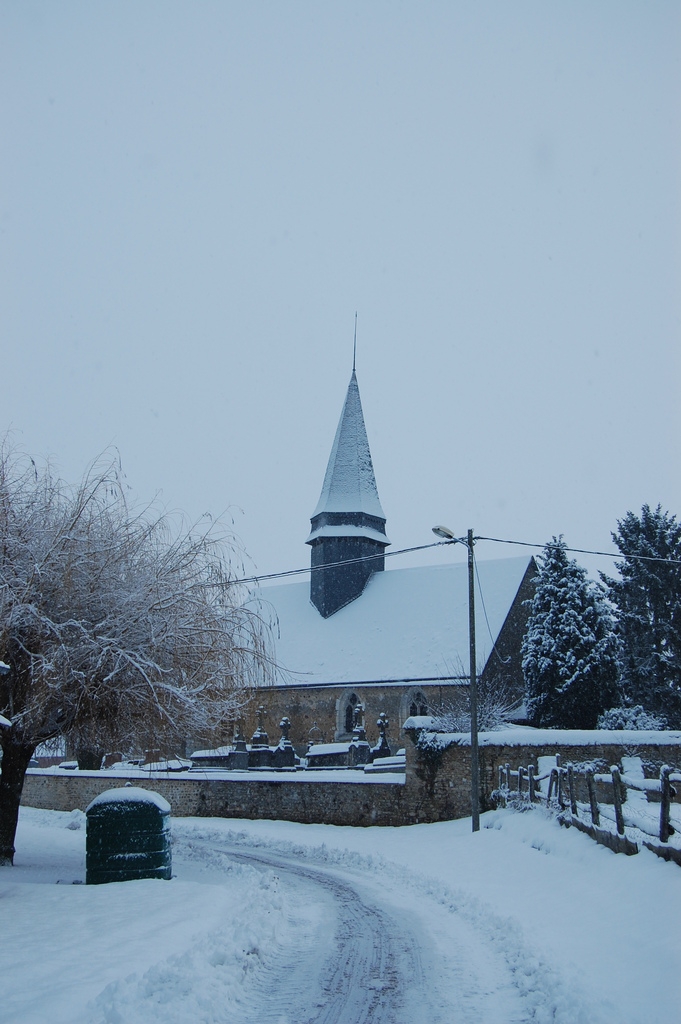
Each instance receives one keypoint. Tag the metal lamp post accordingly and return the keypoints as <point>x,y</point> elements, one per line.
<point>468,541</point>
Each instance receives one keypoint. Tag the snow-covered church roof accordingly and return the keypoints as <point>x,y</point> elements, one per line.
<point>349,482</point>
<point>408,625</point>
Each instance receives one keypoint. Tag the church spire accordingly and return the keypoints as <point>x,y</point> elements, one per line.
<point>354,345</point>
<point>349,482</point>
<point>348,522</point>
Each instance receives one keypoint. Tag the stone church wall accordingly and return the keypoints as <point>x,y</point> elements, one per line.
<point>319,713</point>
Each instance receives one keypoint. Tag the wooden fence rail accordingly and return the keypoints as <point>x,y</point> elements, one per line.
<point>562,791</point>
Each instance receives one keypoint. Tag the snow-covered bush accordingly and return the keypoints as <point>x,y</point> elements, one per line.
<point>635,717</point>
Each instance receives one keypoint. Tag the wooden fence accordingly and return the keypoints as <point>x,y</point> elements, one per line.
<point>522,787</point>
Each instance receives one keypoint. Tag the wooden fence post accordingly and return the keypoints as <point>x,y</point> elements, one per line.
<point>530,782</point>
<point>665,800</point>
<point>617,797</point>
<point>552,784</point>
<point>571,789</point>
<point>595,816</point>
<point>508,776</point>
<point>521,772</point>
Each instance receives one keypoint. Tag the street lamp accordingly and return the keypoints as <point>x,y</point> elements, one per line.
<point>468,541</point>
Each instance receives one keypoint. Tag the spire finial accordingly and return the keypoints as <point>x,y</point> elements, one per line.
<point>354,345</point>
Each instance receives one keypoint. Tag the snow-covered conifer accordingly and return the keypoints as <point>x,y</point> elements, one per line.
<point>569,650</point>
<point>648,603</point>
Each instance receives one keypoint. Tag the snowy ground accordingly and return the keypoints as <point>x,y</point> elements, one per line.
<point>285,923</point>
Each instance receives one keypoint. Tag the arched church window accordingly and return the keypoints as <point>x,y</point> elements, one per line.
<point>350,711</point>
<point>419,704</point>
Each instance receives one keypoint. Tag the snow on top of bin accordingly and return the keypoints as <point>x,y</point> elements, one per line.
<point>130,794</point>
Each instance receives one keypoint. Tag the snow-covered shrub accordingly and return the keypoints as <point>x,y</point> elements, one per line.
<point>431,747</point>
<point>636,718</point>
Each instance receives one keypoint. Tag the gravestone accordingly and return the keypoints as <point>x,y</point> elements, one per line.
<point>359,752</point>
<point>284,756</point>
<point>382,749</point>
<point>238,757</point>
<point>260,754</point>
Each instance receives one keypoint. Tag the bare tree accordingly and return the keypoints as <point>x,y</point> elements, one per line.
<point>116,626</point>
<point>497,701</point>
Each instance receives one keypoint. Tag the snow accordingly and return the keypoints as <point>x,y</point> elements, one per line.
<point>526,736</point>
<point>385,765</point>
<point>130,794</point>
<point>173,764</point>
<point>329,748</point>
<point>349,482</point>
<point>5,722</point>
<point>427,722</point>
<point>522,921</point>
<point>314,777</point>
<point>347,531</point>
<point>410,625</point>
<point>217,752</point>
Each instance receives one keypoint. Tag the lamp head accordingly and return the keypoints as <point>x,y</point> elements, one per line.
<point>444,532</point>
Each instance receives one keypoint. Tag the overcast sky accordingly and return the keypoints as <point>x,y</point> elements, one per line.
<point>195,197</point>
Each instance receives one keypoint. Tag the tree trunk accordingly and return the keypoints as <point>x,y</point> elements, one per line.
<point>15,759</point>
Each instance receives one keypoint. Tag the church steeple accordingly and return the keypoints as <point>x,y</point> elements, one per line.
<point>348,522</point>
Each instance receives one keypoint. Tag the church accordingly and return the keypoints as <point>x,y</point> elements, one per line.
<point>394,640</point>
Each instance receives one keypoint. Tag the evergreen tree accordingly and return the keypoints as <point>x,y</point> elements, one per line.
<point>570,649</point>
<point>648,602</point>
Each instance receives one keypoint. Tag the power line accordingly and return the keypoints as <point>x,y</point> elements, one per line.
<point>441,543</point>
<point>504,661</point>
<point>333,565</point>
<point>586,551</point>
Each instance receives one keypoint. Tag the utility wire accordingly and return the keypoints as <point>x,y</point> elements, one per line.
<point>441,543</point>
<point>586,551</point>
<point>504,661</point>
<point>333,565</point>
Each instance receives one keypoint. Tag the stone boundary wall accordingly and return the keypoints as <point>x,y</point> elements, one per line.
<point>308,801</point>
<point>436,786</point>
<point>445,775</point>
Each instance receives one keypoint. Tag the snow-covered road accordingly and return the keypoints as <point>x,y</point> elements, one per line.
<point>358,965</point>
<point>293,924</point>
<point>371,959</point>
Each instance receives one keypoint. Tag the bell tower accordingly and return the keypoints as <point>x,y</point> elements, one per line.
<point>348,522</point>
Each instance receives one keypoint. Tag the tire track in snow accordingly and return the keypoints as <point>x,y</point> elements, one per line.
<point>488,951</point>
<point>373,964</point>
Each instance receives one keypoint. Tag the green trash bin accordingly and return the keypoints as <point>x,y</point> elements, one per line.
<point>128,836</point>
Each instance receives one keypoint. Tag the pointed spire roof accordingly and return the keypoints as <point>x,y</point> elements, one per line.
<point>349,483</point>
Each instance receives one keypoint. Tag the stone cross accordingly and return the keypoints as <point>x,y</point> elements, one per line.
<point>260,737</point>
<point>357,716</point>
